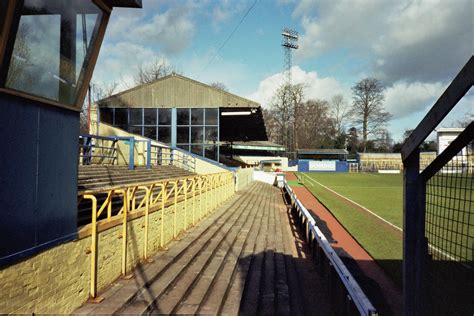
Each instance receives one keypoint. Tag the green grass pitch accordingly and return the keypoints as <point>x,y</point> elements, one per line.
<point>381,194</point>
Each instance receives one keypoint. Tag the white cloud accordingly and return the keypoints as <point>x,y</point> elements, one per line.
<point>403,99</point>
<point>172,29</point>
<point>315,87</point>
<point>406,40</point>
<point>120,61</point>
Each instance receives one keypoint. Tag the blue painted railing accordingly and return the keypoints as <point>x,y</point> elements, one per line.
<point>89,145</point>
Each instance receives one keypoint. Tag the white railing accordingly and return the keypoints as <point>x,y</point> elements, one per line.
<point>353,296</point>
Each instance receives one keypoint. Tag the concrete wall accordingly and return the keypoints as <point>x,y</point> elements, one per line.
<point>243,177</point>
<point>266,177</point>
<point>58,280</point>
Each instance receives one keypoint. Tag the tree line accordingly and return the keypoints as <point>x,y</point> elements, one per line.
<point>358,126</point>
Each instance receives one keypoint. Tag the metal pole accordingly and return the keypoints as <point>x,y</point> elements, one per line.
<point>411,192</point>
<point>124,233</point>
<point>147,207</point>
<point>93,288</point>
<point>131,159</point>
<point>148,154</point>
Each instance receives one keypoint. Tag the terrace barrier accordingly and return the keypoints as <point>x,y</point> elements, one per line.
<point>347,296</point>
<point>142,200</point>
<point>104,150</point>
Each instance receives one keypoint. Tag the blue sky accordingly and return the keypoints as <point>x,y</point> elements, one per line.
<point>414,47</point>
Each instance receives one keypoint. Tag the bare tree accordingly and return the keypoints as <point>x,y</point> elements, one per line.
<point>97,92</point>
<point>315,126</point>
<point>102,91</point>
<point>285,109</point>
<point>282,113</point>
<point>297,97</point>
<point>367,108</point>
<point>339,112</point>
<point>219,85</point>
<point>154,71</point>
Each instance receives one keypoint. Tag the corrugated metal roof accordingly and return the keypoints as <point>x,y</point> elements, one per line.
<point>323,151</point>
<point>175,91</point>
<point>258,145</point>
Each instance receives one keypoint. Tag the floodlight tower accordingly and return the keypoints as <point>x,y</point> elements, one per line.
<point>289,42</point>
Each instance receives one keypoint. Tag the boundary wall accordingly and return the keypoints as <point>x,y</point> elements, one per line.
<point>58,280</point>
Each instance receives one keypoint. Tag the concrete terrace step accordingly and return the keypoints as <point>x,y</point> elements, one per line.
<point>95,177</point>
<point>242,259</point>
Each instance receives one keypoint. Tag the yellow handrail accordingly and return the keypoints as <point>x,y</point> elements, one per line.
<point>93,285</point>
<point>216,189</point>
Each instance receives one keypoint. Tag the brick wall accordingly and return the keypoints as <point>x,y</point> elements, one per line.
<point>58,280</point>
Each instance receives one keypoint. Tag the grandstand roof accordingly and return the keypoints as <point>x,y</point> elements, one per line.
<point>322,151</point>
<point>175,91</point>
<point>257,145</point>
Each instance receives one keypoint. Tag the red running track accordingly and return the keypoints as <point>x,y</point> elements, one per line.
<point>346,246</point>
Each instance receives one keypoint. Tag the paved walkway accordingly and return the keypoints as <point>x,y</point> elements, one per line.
<point>380,289</point>
<point>247,258</point>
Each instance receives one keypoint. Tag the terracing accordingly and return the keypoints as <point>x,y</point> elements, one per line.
<point>166,240</point>
<point>247,257</point>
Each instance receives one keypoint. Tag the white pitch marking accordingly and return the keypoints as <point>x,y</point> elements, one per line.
<point>381,218</point>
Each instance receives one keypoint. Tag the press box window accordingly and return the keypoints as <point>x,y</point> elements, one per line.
<point>53,45</point>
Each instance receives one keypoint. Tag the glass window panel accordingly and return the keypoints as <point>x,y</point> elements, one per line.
<point>184,146</point>
<point>197,149</point>
<point>135,130</point>
<point>182,135</point>
<point>197,116</point>
<point>149,132</point>
<point>52,48</point>
<point>164,116</point>
<point>150,116</point>
<point>210,152</point>
<point>211,134</point>
<point>182,116</point>
<point>197,135</point>
<point>121,116</point>
<point>211,116</point>
<point>106,115</point>
<point>124,127</point>
<point>164,134</point>
<point>135,117</point>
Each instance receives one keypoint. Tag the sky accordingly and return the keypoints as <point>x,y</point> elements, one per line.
<point>415,48</point>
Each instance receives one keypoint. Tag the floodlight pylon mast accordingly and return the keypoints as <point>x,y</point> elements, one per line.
<point>289,42</point>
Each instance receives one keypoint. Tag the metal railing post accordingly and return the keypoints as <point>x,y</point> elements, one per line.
<point>131,158</point>
<point>194,200</point>
<point>93,285</point>
<point>148,154</point>
<point>200,197</point>
<point>175,208</point>
<point>124,233</point>
<point>185,185</point>
<point>147,208</point>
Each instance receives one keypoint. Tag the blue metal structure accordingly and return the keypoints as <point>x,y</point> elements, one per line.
<point>38,177</point>
<point>339,166</point>
<point>39,123</point>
